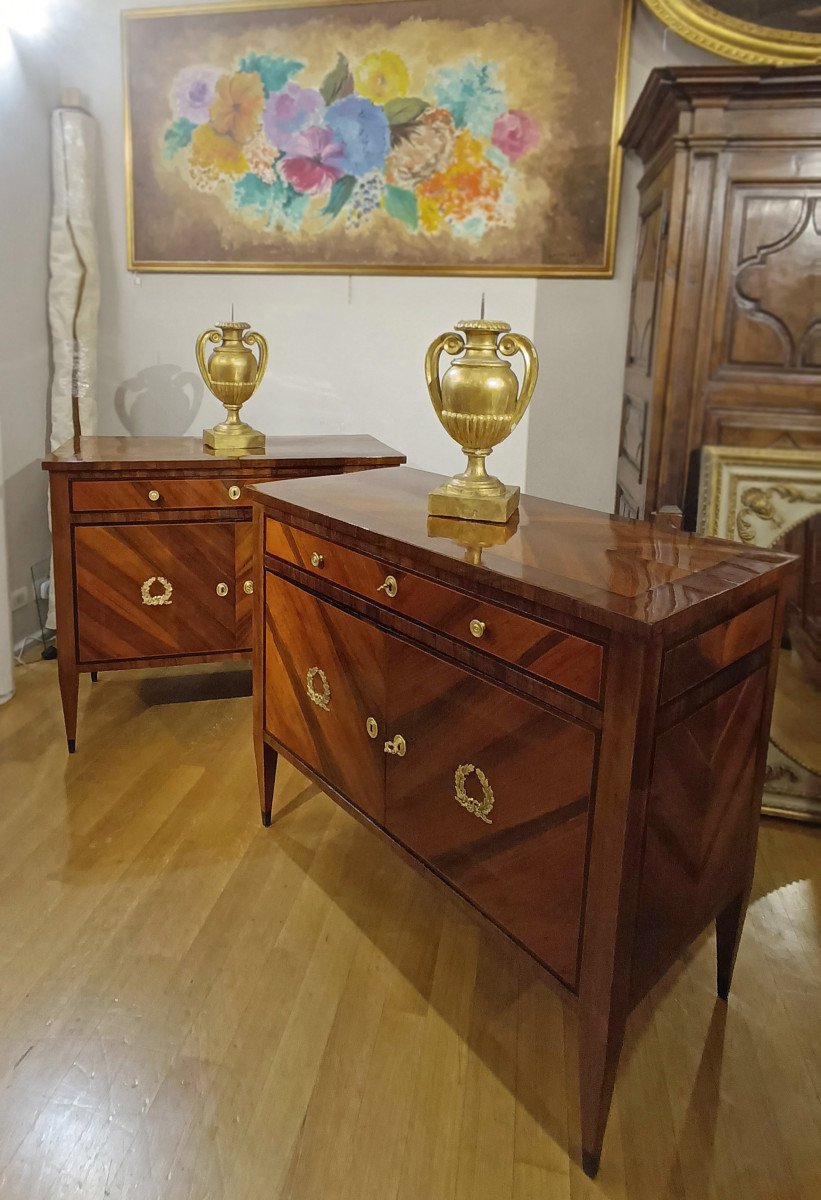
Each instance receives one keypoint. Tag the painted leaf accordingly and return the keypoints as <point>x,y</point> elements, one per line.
<point>339,197</point>
<point>274,72</point>
<point>404,110</point>
<point>178,136</point>
<point>402,205</point>
<point>338,82</point>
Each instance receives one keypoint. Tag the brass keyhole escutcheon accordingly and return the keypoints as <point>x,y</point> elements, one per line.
<point>372,727</point>
<point>234,492</point>
<point>248,587</point>
<point>480,808</point>
<point>156,598</point>
<point>477,628</point>
<point>153,494</point>
<point>317,560</point>
<point>396,745</point>
<point>321,699</point>
<point>222,589</point>
<point>390,586</point>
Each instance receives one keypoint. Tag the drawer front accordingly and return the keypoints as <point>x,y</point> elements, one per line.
<point>146,591</point>
<point>493,792</point>
<point>324,679</point>
<point>572,663</point>
<point>127,495</point>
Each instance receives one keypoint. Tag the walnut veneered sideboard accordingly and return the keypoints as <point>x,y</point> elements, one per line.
<point>152,547</point>
<point>564,720</point>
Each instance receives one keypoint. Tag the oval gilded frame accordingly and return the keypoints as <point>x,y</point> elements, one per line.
<point>745,41</point>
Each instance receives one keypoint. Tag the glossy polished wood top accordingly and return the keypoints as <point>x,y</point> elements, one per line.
<point>115,453</point>
<point>622,574</point>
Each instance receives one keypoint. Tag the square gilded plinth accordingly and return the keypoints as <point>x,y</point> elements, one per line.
<point>447,502</point>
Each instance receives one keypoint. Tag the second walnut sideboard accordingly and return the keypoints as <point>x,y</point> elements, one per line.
<point>568,730</point>
<point>152,547</point>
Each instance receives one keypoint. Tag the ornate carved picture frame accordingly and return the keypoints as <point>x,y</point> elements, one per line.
<point>750,31</point>
<point>759,496</point>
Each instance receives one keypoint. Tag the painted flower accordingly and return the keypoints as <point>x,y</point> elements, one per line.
<point>515,133</point>
<point>382,76</point>
<point>470,93</point>
<point>261,157</point>
<point>470,186</point>
<point>426,149</point>
<point>312,165</point>
<point>194,91</point>
<point>362,132</point>
<point>366,199</point>
<point>237,105</point>
<point>289,112</point>
<point>216,153</point>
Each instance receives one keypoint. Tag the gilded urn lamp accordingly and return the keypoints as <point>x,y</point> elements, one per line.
<point>479,402</point>
<point>233,374</point>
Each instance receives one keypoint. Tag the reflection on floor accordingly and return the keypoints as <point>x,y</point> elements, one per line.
<point>195,1008</point>
<point>794,762</point>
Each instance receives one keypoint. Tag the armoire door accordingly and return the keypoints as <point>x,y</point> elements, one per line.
<point>154,590</point>
<point>493,792</point>
<point>324,691</point>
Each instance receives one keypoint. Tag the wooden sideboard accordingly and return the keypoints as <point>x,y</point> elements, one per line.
<point>563,720</point>
<point>152,547</point>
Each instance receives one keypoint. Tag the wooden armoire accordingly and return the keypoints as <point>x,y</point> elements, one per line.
<point>724,344</point>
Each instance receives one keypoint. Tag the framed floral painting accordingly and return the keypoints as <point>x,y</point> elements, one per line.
<point>458,137</point>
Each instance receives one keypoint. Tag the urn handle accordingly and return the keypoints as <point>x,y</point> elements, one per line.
<point>256,339</point>
<point>210,335</point>
<point>452,344</point>
<point>509,345</point>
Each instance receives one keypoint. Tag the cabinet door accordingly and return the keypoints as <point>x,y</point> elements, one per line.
<point>493,792</point>
<point>324,680</point>
<point>152,591</point>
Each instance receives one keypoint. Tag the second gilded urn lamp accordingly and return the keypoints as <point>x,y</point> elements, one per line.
<point>233,374</point>
<point>480,403</point>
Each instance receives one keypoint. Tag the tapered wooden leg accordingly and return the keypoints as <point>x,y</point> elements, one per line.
<point>267,772</point>
<point>729,924</point>
<point>69,678</point>
<point>599,1049</point>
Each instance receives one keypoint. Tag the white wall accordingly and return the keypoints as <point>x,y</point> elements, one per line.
<point>347,353</point>
<point>24,355</point>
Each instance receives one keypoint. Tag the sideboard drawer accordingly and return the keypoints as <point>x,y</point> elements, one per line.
<point>158,590</point>
<point>571,662</point>
<point>126,495</point>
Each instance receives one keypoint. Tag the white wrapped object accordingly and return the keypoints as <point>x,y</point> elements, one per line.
<point>6,680</point>
<point>74,284</point>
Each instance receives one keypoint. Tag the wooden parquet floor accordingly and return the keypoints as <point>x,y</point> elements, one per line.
<point>194,1008</point>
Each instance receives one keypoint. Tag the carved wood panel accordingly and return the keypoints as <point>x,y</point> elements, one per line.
<point>773,315</point>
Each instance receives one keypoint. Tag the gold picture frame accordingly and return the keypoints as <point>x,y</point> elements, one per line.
<point>570,179</point>
<point>712,28</point>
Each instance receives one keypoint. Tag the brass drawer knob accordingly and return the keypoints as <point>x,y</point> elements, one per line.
<point>317,560</point>
<point>390,586</point>
<point>222,589</point>
<point>234,492</point>
<point>396,745</point>
<point>372,727</point>
<point>480,808</point>
<point>153,494</point>
<point>248,587</point>
<point>477,628</point>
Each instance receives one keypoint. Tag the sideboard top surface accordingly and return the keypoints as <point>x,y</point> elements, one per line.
<point>620,573</point>
<point>114,453</point>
